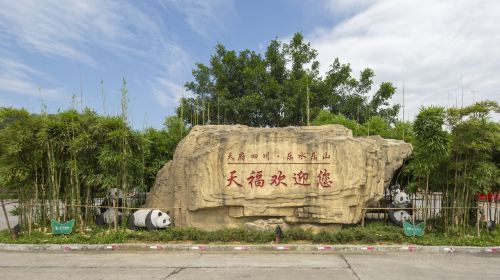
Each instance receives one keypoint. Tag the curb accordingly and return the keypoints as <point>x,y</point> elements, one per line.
<point>245,248</point>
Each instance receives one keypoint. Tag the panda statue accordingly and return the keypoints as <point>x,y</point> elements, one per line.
<point>401,198</point>
<point>112,195</point>
<point>108,217</point>
<point>106,214</point>
<point>152,219</point>
<point>396,214</point>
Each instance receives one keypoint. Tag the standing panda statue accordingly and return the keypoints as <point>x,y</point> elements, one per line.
<point>152,219</point>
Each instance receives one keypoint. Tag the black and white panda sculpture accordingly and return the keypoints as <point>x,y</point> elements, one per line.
<point>108,217</point>
<point>112,195</point>
<point>106,214</point>
<point>152,219</point>
<point>400,200</point>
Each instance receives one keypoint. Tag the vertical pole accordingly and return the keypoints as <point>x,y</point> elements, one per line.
<point>12,234</point>
<point>81,93</point>
<point>182,117</point>
<point>363,213</point>
<point>208,111</point>
<point>477,222</point>
<point>202,111</point>
<point>308,112</point>
<point>115,213</point>
<point>403,110</point>
<point>103,98</point>
<point>30,216</point>
<point>413,210</point>
<point>462,79</point>
<point>218,109</point>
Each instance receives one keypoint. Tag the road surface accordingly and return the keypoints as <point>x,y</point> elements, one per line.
<point>247,265</point>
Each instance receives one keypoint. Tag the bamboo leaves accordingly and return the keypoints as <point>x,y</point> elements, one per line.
<point>70,157</point>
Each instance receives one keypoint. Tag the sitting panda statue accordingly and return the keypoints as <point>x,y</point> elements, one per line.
<point>112,195</point>
<point>108,217</point>
<point>106,213</point>
<point>152,219</point>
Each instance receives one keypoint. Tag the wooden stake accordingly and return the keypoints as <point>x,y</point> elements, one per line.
<point>477,223</point>
<point>363,213</point>
<point>308,109</point>
<point>115,222</point>
<point>12,234</point>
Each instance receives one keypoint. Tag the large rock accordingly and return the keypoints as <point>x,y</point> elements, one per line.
<point>226,176</point>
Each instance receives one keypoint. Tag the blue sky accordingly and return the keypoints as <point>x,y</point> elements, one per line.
<point>51,50</point>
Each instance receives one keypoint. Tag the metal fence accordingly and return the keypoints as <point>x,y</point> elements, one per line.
<point>135,200</point>
<point>488,211</point>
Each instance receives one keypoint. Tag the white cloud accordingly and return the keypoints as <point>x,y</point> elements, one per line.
<point>167,93</point>
<point>205,17</point>
<point>79,30</point>
<point>70,29</point>
<point>18,78</point>
<point>427,44</point>
<point>341,8</point>
<point>26,87</point>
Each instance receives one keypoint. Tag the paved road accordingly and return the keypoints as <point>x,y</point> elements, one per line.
<point>186,265</point>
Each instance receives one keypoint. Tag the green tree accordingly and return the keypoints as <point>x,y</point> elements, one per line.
<point>475,141</point>
<point>248,88</point>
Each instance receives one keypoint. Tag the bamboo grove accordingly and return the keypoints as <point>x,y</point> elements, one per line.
<point>58,160</point>
<point>456,152</point>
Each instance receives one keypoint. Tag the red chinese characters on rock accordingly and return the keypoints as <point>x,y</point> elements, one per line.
<point>324,179</point>
<point>304,177</point>
<point>278,179</point>
<point>301,178</point>
<point>232,180</point>
<point>256,178</point>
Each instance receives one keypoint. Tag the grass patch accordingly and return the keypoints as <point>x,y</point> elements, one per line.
<point>374,233</point>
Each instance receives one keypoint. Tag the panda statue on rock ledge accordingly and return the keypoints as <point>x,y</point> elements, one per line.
<point>400,209</point>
